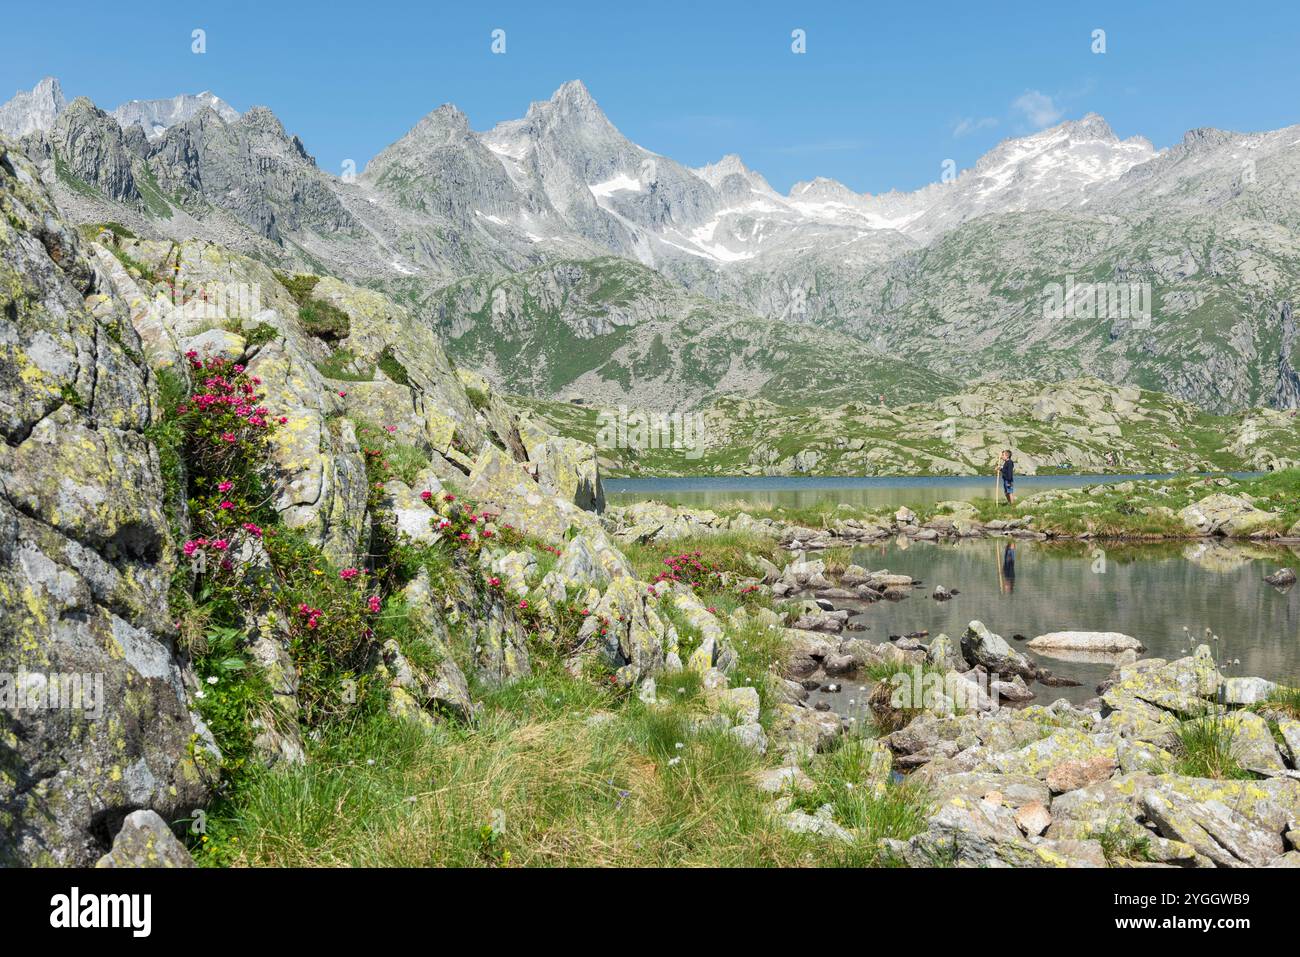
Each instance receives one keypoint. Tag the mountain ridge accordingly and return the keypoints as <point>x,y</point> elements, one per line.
<point>1207,227</point>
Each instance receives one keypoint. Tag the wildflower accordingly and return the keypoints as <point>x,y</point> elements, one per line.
<point>200,694</point>
<point>254,530</point>
<point>449,498</point>
<point>373,604</point>
<point>227,505</point>
<point>494,581</point>
<point>523,604</point>
<point>426,495</point>
<point>348,574</point>
<point>225,486</point>
<point>342,394</point>
<point>283,419</point>
<point>212,679</point>
<point>221,544</point>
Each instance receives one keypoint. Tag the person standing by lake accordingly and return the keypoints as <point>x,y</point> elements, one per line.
<point>1007,472</point>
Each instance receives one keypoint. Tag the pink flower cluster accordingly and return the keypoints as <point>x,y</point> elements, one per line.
<point>687,569</point>
<point>313,615</point>
<point>234,391</point>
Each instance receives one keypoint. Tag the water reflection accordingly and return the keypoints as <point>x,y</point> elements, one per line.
<point>1007,575</point>
<point>1165,595</point>
<point>881,491</point>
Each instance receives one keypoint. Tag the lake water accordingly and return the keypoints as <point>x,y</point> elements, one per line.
<point>1149,591</point>
<point>864,492</point>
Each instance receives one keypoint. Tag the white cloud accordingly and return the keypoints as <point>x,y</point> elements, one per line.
<point>1037,107</point>
<point>972,124</point>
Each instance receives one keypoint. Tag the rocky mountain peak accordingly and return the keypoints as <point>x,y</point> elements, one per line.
<point>571,105</point>
<point>442,126</point>
<point>821,187</point>
<point>1091,126</point>
<point>155,116</point>
<point>735,182</point>
<point>34,110</point>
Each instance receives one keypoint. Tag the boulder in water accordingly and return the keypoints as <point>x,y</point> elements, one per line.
<point>1092,641</point>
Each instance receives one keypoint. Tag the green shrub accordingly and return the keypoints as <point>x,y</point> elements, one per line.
<point>324,320</point>
<point>392,368</point>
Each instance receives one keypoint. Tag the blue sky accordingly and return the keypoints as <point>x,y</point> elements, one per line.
<point>884,94</point>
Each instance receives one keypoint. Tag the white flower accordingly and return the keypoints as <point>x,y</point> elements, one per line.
<point>200,694</point>
<point>212,679</point>
<point>676,760</point>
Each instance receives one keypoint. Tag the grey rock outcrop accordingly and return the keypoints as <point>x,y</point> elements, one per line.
<point>85,557</point>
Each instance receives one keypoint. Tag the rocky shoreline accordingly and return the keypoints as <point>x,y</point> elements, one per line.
<point>1214,517</point>
<point>1011,784</point>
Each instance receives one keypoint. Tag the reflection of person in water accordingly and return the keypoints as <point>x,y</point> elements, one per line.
<point>1007,575</point>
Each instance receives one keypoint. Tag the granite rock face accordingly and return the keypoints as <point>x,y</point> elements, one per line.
<point>94,720</point>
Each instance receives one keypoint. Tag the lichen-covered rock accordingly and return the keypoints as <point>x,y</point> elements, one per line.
<point>1214,829</point>
<point>565,467</point>
<point>742,702</point>
<point>145,840</point>
<point>1223,514</point>
<point>590,559</point>
<point>440,689</point>
<point>800,732</point>
<point>1183,687</point>
<point>401,345</point>
<point>506,488</point>
<point>85,556</point>
<point>320,475</point>
<point>1016,790</point>
<point>982,647</point>
<point>985,833</point>
<point>635,637</point>
<point>500,645</point>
